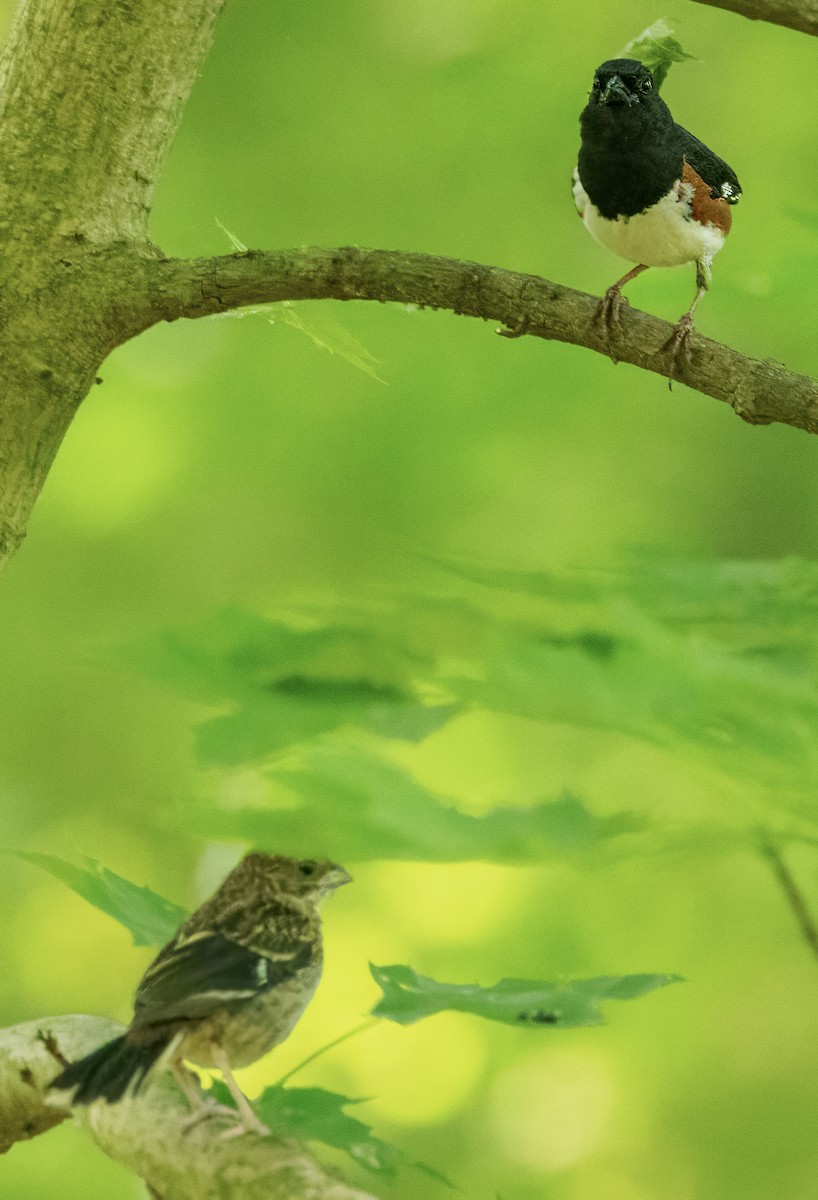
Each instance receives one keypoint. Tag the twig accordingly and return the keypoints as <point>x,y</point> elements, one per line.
<point>794,14</point>
<point>795,897</point>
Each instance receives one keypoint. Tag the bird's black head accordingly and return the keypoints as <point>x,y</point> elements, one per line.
<point>622,81</point>
<point>624,102</point>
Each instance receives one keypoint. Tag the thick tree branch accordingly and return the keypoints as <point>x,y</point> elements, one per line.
<point>148,1134</point>
<point>759,391</point>
<point>795,14</point>
<point>91,93</point>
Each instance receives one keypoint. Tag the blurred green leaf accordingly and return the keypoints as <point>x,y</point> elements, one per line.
<point>328,334</point>
<point>150,918</point>
<point>356,806</point>
<point>316,1115</point>
<point>716,662</point>
<point>409,997</point>
<point>234,241</point>
<point>284,683</point>
<point>657,48</point>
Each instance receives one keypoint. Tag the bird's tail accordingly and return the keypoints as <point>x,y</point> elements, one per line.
<point>108,1072</point>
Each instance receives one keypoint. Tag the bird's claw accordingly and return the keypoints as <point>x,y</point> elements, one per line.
<point>240,1123</point>
<point>606,318</point>
<point>678,346</point>
<point>242,1127</point>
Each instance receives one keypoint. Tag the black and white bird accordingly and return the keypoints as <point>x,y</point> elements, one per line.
<point>649,190</point>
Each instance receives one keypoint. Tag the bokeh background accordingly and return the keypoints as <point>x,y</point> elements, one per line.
<point>232,461</point>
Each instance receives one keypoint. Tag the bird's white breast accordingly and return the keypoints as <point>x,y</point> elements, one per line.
<point>666,235</point>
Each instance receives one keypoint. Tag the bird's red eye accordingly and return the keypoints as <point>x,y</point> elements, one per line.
<point>645,85</point>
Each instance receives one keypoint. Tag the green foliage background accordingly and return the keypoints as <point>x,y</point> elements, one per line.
<point>668,708</point>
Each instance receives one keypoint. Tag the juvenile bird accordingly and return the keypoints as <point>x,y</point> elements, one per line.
<point>647,189</point>
<point>229,986</point>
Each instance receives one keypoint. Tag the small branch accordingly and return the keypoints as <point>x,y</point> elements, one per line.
<point>149,1133</point>
<point>759,391</point>
<point>795,898</point>
<point>794,14</point>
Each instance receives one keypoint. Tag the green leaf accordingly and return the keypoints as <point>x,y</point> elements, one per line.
<point>409,997</point>
<point>657,48</point>
<point>284,684</point>
<point>150,918</point>
<point>364,808</point>
<point>714,662</point>
<point>237,245</point>
<point>316,1115</point>
<point>328,334</point>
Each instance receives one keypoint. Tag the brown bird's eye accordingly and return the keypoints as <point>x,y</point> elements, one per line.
<point>307,868</point>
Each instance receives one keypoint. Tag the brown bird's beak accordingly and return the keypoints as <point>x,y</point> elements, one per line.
<point>336,877</point>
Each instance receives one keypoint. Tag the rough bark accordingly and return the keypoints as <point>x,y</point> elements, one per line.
<point>759,391</point>
<point>148,1134</point>
<point>91,93</point>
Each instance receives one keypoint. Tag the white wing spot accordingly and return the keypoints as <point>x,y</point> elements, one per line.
<point>261,972</point>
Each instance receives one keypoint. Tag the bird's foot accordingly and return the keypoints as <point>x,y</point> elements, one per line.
<point>240,1122</point>
<point>245,1126</point>
<point>606,318</point>
<point>678,347</point>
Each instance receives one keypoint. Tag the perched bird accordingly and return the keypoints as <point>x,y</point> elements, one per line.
<point>647,189</point>
<point>230,985</point>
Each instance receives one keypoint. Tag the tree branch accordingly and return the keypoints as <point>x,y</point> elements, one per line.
<point>148,1134</point>
<point>91,93</point>
<point>759,391</point>
<point>794,14</point>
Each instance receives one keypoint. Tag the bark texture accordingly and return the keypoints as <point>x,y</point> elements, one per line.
<point>91,93</point>
<point>759,391</point>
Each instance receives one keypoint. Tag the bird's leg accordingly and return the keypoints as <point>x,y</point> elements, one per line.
<point>202,1108</point>
<point>249,1121</point>
<point>192,1093</point>
<point>678,344</point>
<point>607,314</point>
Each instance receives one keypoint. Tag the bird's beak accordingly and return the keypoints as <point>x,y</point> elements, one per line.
<point>615,92</point>
<point>335,877</point>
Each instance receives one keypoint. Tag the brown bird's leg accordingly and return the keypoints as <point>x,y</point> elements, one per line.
<point>678,344</point>
<point>202,1108</point>
<point>249,1121</point>
<point>607,314</point>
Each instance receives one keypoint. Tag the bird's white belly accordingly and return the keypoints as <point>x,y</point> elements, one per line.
<point>664,236</point>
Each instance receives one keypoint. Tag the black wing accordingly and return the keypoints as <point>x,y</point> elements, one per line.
<point>720,178</point>
<point>210,972</point>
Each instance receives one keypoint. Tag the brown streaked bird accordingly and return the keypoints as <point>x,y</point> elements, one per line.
<point>647,189</point>
<point>229,986</point>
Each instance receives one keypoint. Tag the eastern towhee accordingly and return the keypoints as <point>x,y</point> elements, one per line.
<point>647,189</point>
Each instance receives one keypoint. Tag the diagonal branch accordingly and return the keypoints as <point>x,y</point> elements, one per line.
<point>759,391</point>
<point>151,1133</point>
<point>795,897</point>
<point>794,14</point>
